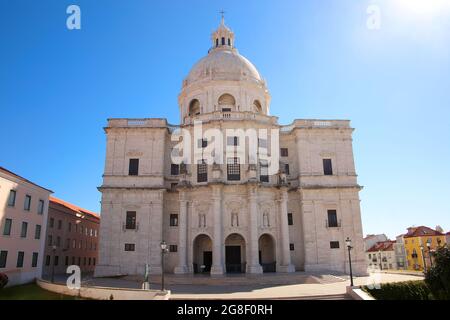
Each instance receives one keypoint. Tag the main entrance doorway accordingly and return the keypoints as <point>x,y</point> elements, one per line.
<point>235,254</point>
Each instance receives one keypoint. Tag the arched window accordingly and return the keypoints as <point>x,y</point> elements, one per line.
<point>227,102</point>
<point>194,108</point>
<point>217,42</point>
<point>257,106</point>
<point>223,41</point>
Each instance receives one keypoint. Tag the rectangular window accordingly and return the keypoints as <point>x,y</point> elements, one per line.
<point>47,260</point>
<point>93,262</point>
<point>69,227</point>
<point>173,248</point>
<point>74,244</point>
<point>226,109</point>
<point>37,232</point>
<point>233,141</point>
<point>262,143</point>
<point>79,261</point>
<point>51,223</point>
<point>327,167</point>
<point>174,220</point>
<point>133,169</point>
<point>67,244</point>
<point>23,232</point>
<point>332,219</point>
<point>56,260</point>
<point>27,203</point>
<point>7,227</point>
<point>49,240</point>
<point>202,171</point>
<point>286,169</point>
<point>66,262</point>
<point>41,207</point>
<point>131,220</point>
<point>202,143</point>
<point>20,255</point>
<point>264,171</point>
<point>3,258</point>
<point>73,260</point>
<point>233,169</point>
<point>290,219</point>
<point>34,260</point>
<point>284,152</point>
<point>58,241</point>
<point>291,247</point>
<point>12,198</point>
<point>174,169</point>
<point>89,261</point>
<point>129,247</point>
<point>334,244</point>
<point>84,261</point>
<point>59,224</point>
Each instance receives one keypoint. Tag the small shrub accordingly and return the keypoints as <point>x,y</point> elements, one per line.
<point>3,280</point>
<point>409,290</point>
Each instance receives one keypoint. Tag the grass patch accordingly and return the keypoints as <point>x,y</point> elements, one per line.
<point>31,292</point>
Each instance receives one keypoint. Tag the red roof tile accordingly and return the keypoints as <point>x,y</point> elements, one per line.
<point>421,231</point>
<point>74,207</point>
<point>382,246</point>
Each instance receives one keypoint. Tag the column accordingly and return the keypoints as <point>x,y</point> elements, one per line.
<point>218,242</point>
<point>285,265</point>
<point>156,236</point>
<point>253,266</point>
<point>182,268</point>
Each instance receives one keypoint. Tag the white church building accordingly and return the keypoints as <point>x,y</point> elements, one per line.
<point>234,214</point>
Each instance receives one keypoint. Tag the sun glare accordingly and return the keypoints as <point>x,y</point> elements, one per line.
<point>423,7</point>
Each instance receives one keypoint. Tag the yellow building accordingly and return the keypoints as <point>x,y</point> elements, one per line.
<point>419,242</point>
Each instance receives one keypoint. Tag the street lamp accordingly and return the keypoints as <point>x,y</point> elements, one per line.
<point>53,264</point>
<point>163,251</point>
<point>423,258</point>
<point>429,253</point>
<point>348,242</point>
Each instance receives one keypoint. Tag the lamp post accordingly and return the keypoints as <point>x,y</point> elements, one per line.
<point>423,258</point>
<point>53,264</point>
<point>429,253</point>
<point>163,251</point>
<point>348,242</point>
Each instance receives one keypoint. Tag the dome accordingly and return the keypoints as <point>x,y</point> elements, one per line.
<point>223,64</point>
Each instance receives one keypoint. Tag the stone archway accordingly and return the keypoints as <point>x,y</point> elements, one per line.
<point>202,259</point>
<point>267,254</point>
<point>235,254</point>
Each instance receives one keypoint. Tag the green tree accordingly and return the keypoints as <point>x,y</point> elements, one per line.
<point>438,277</point>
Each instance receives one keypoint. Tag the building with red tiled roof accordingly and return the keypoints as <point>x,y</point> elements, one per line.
<point>71,239</point>
<point>421,231</point>
<point>386,255</point>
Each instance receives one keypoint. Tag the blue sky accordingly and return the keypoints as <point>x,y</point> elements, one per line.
<point>58,87</point>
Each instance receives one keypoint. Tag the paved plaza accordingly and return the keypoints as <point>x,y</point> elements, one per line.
<point>299,285</point>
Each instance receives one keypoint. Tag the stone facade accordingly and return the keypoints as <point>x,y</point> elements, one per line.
<point>215,224</point>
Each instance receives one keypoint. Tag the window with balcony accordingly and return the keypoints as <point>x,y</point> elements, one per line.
<point>202,171</point>
<point>327,167</point>
<point>130,223</point>
<point>174,169</point>
<point>233,169</point>
<point>133,169</point>
<point>264,171</point>
<point>332,221</point>
<point>174,220</point>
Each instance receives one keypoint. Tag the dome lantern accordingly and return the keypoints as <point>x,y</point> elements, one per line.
<point>223,37</point>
